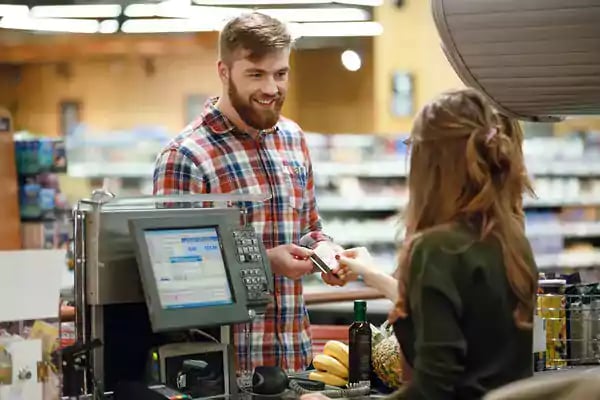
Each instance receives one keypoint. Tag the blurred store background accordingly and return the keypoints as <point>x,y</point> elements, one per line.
<point>96,88</point>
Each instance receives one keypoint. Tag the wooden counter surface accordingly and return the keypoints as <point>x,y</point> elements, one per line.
<point>337,295</point>
<point>312,296</point>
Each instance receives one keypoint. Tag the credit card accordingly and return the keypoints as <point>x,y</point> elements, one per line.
<point>324,258</point>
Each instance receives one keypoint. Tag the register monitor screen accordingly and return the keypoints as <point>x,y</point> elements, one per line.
<point>189,267</point>
<point>197,270</point>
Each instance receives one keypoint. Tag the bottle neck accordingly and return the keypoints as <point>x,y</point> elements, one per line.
<point>360,315</point>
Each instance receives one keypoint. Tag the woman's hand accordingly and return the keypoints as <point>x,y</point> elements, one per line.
<point>355,262</point>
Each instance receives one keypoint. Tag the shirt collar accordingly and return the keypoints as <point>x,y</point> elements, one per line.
<point>218,123</point>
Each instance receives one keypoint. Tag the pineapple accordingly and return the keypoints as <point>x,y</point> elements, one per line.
<point>386,359</point>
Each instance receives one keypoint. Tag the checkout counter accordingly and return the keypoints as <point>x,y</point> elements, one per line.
<point>150,273</point>
<point>155,277</point>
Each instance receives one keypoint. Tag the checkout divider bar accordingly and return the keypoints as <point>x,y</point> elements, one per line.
<point>80,283</point>
<point>151,201</point>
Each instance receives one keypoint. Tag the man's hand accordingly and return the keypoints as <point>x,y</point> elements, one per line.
<point>290,261</point>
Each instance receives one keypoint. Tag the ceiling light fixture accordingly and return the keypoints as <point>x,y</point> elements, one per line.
<point>7,10</point>
<point>170,25</point>
<point>258,2</point>
<point>336,14</point>
<point>77,11</point>
<point>351,60</point>
<point>366,3</point>
<point>176,9</point>
<point>167,11</point>
<point>138,10</point>
<point>109,26</point>
<point>51,24</point>
<point>336,29</point>
<point>309,29</point>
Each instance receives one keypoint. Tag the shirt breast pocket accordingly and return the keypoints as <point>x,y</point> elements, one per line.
<point>295,184</point>
<point>244,182</point>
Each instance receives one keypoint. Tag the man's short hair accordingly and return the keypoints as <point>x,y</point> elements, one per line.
<point>256,33</point>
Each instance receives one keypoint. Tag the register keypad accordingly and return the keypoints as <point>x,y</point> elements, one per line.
<point>248,252</point>
<point>255,282</point>
<point>247,246</point>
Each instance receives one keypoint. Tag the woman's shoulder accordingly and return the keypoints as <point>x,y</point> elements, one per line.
<point>448,239</point>
<point>458,244</point>
<point>454,248</point>
<point>439,251</point>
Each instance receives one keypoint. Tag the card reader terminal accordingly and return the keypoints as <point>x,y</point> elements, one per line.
<point>168,393</point>
<point>138,391</point>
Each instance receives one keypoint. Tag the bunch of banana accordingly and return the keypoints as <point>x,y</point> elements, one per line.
<point>332,365</point>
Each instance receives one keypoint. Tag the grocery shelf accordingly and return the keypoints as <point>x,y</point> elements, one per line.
<point>374,175</point>
<point>566,229</point>
<point>374,202</point>
<point>575,168</point>
<point>384,233</point>
<point>111,170</point>
<point>382,236</point>
<point>584,200</point>
<point>360,203</point>
<point>568,260</point>
<point>399,168</point>
<point>374,169</point>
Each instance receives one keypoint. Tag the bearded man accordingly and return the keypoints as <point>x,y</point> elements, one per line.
<point>242,144</point>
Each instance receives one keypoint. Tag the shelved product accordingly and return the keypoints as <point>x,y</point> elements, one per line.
<point>118,154</point>
<point>44,211</point>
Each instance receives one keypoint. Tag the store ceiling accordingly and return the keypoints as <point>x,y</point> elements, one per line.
<point>34,31</point>
<point>307,18</point>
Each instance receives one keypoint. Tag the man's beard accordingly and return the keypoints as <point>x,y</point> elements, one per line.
<point>250,113</point>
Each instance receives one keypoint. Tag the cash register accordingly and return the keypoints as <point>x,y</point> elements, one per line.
<point>154,278</point>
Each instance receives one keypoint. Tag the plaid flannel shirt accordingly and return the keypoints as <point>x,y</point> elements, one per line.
<point>212,156</point>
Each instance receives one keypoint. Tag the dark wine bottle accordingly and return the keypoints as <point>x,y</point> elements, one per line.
<point>360,346</point>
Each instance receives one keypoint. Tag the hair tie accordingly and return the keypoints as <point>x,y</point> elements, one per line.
<point>490,135</point>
